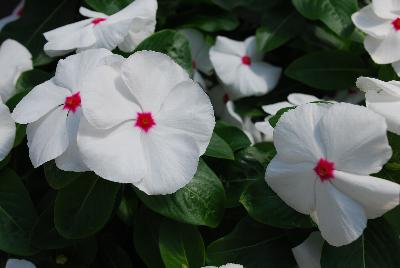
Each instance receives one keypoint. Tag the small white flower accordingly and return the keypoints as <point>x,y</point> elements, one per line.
<point>14,60</point>
<point>228,265</point>
<point>15,15</point>
<point>15,263</point>
<point>125,29</point>
<point>381,22</point>
<point>200,55</point>
<point>384,99</point>
<point>52,111</point>
<point>7,131</point>
<point>322,168</point>
<point>239,66</point>
<point>308,253</point>
<point>148,124</point>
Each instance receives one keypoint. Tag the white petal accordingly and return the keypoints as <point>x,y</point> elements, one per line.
<point>367,84</point>
<point>294,183</point>
<point>71,159</point>
<point>188,110</point>
<point>144,9</point>
<point>364,153</point>
<point>106,101</point>
<point>48,137</point>
<point>111,32</point>
<point>386,8</point>
<point>299,98</point>
<point>230,47</point>
<point>151,76</point>
<point>14,60</point>
<point>384,51</point>
<point>266,129</point>
<point>231,116</point>
<point>367,21</point>
<point>139,30</point>
<point>41,100</point>
<point>90,13</point>
<point>252,50</point>
<point>15,263</point>
<point>114,154</point>
<point>172,160</point>
<point>340,219</point>
<point>308,253</point>
<point>295,136</point>
<point>199,79</point>
<point>275,107</point>
<point>7,131</point>
<point>226,66</point>
<point>377,196</point>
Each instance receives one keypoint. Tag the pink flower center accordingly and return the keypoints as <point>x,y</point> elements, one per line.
<point>226,98</point>
<point>396,24</point>
<point>20,12</point>
<point>194,65</point>
<point>324,169</point>
<point>145,121</point>
<point>72,102</point>
<point>246,60</point>
<point>98,20</point>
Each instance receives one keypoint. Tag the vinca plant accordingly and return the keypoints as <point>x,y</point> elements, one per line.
<point>200,133</point>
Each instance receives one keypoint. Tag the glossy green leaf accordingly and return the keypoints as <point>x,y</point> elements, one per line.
<point>213,23</point>
<point>57,178</point>
<point>232,135</point>
<point>108,7</point>
<point>84,207</point>
<point>201,202</point>
<point>275,118</point>
<point>218,148</point>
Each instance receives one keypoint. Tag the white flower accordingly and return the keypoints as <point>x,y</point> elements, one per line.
<point>294,99</point>
<point>15,263</point>
<point>125,29</point>
<point>15,15</point>
<point>228,265</point>
<point>147,124</point>
<point>322,168</point>
<point>14,60</point>
<point>239,66</point>
<point>200,55</point>
<point>52,111</point>
<point>308,253</point>
<point>7,131</point>
<point>381,22</point>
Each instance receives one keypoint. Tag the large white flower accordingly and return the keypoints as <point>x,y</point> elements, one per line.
<point>381,22</point>
<point>15,263</point>
<point>147,124</point>
<point>240,67</point>
<point>125,29</point>
<point>383,98</point>
<point>200,55</point>
<point>14,60</point>
<point>308,253</point>
<point>52,111</point>
<point>228,265</point>
<point>15,15</point>
<point>322,168</point>
<point>7,131</point>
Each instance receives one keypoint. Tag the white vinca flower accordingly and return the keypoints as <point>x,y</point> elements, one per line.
<point>52,111</point>
<point>228,265</point>
<point>308,253</point>
<point>14,60</point>
<point>15,263</point>
<point>200,55</point>
<point>240,67</point>
<point>381,22</point>
<point>322,169</point>
<point>384,99</point>
<point>125,29</point>
<point>15,15</point>
<point>147,124</point>
<point>7,131</point>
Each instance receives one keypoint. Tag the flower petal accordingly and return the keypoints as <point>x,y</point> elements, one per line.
<point>266,129</point>
<point>377,196</point>
<point>340,219</point>
<point>272,109</point>
<point>308,253</point>
<point>383,51</point>
<point>368,22</point>
<point>229,47</point>
<point>387,9</point>
<point>111,32</point>
<point>187,109</point>
<point>15,263</point>
<point>151,76</point>
<point>114,154</point>
<point>90,13</point>
<point>41,100</point>
<point>252,50</point>
<point>48,137</point>
<point>299,98</point>
<point>7,131</point>
<point>364,153</point>
<point>226,66</point>
<point>294,183</point>
<point>367,84</point>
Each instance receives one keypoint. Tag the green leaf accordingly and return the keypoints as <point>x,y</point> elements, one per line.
<point>387,73</point>
<point>108,7</point>
<point>265,206</point>
<point>218,148</point>
<point>327,70</point>
<point>379,246</point>
<point>213,23</point>
<point>113,255</point>
<point>275,118</point>
<point>17,215</point>
<point>127,208</point>
<point>278,28</point>
<point>256,5</point>
<point>201,202</point>
<point>232,135</point>
<point>172,43</point>
<point>181,245</point>
<point>253,245</point>
<point>84,207</point>
<point>57,178</point>
<point>336,14</point>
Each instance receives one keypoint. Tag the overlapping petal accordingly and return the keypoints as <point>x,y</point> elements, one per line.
<point>7,131</point>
